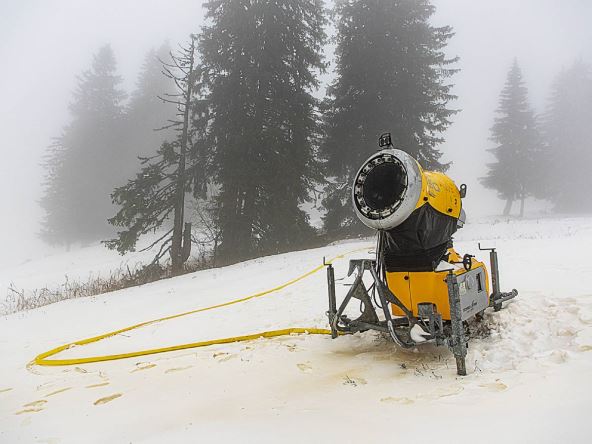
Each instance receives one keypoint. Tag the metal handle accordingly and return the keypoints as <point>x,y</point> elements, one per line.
<point>485,248</point>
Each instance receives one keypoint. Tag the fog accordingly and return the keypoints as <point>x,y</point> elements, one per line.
<point>544,35</point>
<point>44,45</point>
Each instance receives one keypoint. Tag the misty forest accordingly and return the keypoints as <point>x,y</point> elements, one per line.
<point>287,221</point>
<point>224,144</point>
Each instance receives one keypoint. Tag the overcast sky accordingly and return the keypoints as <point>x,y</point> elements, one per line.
<point>45,44</point>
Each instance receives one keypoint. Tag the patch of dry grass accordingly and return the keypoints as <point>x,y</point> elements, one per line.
<point>19,299</point>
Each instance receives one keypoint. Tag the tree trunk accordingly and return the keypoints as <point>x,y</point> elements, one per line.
<point>508,206</point>
<point>178,249</point>
<point>186,249</point>
<point>214,253</point>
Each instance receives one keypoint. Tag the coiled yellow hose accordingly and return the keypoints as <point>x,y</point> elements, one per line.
<point>42,359</point>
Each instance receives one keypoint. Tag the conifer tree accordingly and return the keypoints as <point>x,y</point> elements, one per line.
<point>259,62</point>
<point>518,144</point>
<point>391,77</point>
<point>566,128</point>
<point>57,223</point>
<point>85,162</point>
<point>158,191</point>
<point>147,113</point>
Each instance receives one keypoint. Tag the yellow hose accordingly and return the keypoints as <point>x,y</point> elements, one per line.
<point>41,359</point>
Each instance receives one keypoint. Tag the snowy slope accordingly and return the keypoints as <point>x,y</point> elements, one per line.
<point>528,381</point>
<point>52,268</point>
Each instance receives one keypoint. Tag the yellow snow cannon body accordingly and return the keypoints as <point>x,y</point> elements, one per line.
<point>423,291</point>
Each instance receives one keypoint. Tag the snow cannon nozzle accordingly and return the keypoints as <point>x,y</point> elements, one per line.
<point>391,186</point>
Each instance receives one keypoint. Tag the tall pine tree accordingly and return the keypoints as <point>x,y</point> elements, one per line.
<point>391,76</point>
<point>158,192</point>
<point>147,113</point>
<point>57,222</point>
<point>259,59</point>
<point>567,132</point>
<point>85,162</point>
<point>518,144</point>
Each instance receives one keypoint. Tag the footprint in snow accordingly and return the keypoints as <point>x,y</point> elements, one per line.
<point>305,367</point>
<point>496,386</point>
<point>354,382</point>
<point>36,403</point>
<point>29,410</point>
<point>32,407</point>
<point>177,369</point>
<point>65,389</point>
<point>143,366</point>
<point>223,356</point>
<point>292,347</point>
<point>107,399</point>
<point>100,384</point>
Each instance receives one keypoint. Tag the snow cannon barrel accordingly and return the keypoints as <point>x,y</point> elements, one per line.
<point>419,210</point>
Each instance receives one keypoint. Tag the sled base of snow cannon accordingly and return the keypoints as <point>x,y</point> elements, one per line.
<point>416,308</point>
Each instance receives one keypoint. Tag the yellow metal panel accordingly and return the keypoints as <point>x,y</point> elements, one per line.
<point>398,283</point>
<point>430,287</point>
<point>414,288</point>
<point>440,192</point>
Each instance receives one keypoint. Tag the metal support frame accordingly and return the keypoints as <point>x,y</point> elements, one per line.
<point>457,341</point>
<point>368,320</point>
<point>495,279</point>
<point>332,300</point>
<point>399,328</point>
<point>337,320</point>
<point>497,297</point>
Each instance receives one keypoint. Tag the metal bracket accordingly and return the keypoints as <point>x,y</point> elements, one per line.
<point>360,265</point>
<point>497,297</point>
<point>385,140</point>
<point>427,310</point>
<point>332,300</point>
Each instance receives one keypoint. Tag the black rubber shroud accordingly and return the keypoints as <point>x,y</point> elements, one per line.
<point>421,242</point>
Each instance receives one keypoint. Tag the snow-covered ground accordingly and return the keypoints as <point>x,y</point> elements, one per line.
<point>529,377</point>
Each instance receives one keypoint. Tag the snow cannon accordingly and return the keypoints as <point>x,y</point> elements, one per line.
<point>422,290</point>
